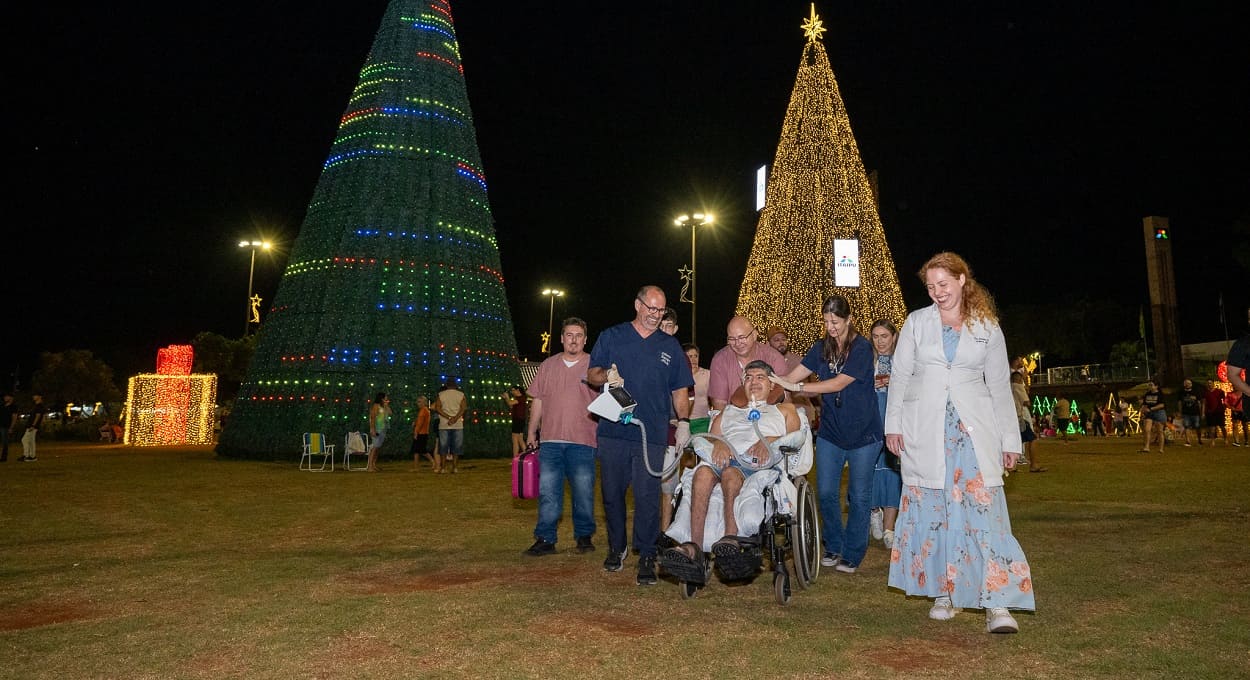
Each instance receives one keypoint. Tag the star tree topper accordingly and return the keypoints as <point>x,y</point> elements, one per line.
<point>813,27</point>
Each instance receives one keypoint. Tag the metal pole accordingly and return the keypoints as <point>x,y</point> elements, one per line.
<point>694,278</point>
<point>247,322</point>
<point>551,313</point>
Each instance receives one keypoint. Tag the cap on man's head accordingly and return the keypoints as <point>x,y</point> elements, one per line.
<point>773,330</point>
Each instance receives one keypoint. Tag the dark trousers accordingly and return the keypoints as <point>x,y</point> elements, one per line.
<point>620,467</point>
<point>4,444</point>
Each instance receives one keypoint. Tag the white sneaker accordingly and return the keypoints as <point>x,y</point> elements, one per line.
<point>942,609</point>
<point>999,620</point>
<point>829,561</point>
<point>887,537</point>
<point>844,567</point>
<point>876,522</point>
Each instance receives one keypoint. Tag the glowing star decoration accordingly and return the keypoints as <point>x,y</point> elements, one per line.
<point>255,317</point>
<point>813,27</point>
<point>546,338</point>
<point>686,274</point>
<point>172,406</point>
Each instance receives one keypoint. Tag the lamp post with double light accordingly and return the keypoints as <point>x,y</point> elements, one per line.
<point>694,221</point>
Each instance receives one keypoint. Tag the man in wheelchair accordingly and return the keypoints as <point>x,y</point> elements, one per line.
<point>758,404</point>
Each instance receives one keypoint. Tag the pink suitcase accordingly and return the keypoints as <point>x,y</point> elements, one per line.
<point>525,474</point>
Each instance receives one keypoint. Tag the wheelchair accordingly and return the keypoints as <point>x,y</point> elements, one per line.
<point>782,507</point>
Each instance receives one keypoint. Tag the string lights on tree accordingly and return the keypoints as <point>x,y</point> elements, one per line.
<point>817,193</point>
<point>394,283</point>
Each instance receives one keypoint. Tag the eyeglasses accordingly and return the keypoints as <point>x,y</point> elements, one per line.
<point>741,338</point>
<point>653,310</point>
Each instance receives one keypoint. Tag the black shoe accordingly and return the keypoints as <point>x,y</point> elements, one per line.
<point>541,548</point>
<point>615,561</point>
<point>646,570</point>
<point>584,545</point>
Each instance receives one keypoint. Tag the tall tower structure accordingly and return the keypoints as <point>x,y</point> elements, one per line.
<point>394,282</point>
<point>817,193</point>
<point>1161,278</point>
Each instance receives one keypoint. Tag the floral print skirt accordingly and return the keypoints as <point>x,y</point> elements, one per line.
<point>957,541</point>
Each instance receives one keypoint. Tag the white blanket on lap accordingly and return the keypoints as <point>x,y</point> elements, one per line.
<point>749,508</point>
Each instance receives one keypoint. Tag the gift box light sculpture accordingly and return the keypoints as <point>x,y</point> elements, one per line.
<point>172,406</point>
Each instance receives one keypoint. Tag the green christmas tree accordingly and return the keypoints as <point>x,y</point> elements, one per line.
<point>394,283</point>
<point>817,192</point>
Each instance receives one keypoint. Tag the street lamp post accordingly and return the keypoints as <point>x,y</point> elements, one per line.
<point>551,313</point>
<point>695,221</point>
<point>251,272</point>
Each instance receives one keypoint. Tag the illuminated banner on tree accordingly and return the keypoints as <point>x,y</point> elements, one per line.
<point>761,184</point>
<point>846,262</point>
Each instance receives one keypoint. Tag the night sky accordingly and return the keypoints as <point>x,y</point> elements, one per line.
<point>1030,139</point>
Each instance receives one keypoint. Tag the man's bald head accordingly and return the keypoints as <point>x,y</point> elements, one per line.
<point>741,336</point>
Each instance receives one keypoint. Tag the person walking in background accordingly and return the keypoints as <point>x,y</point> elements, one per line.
<point>421,436</point>
<point>1020,393</point>
<point>849,434</point>
<point>519,410</point>
<point>1154,416</point>
<point>646,361</point>
<point>1191,412</point>
<point>451,406</point>
<point>1096,424</point>
<point>379,420</point>
<point>1237,363</point>
<point>1062,417</point>
<point>34,420</point>
<point>1213,407</point>
<point>951,418</point>
<point>1120,418</point>
<point>566,449</point>
<point>8,425</point>
<point>887,485</point>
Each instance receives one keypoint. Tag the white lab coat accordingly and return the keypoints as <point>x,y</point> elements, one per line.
<point>977,382</point>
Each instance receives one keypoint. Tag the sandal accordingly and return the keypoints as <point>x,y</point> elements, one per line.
<point>678,561</point>
<point>733,562</point>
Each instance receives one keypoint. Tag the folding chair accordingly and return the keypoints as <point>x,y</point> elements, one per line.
<point>355,443</point>
<point>315,445</point>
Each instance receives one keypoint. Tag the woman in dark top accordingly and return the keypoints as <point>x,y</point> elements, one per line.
<point>1154,416</point>
<point>520,410</point>
<point>850,430</point>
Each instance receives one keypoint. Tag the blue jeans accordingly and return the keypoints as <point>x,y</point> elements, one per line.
<point>849,540</point>
<point>557,461</point>
<point>621,466</point>
<point>451,443</point>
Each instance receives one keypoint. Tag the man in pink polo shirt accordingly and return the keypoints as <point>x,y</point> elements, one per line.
<point>559,417</point>
<point>728,363</point>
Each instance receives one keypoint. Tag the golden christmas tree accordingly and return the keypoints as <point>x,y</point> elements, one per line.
<point>817,192</point>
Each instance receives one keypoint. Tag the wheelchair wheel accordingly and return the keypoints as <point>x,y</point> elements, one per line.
<point>781,588</point>
<point>805,535</point>
<point>687,589</point>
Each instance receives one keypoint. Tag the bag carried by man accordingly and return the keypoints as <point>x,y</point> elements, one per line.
<point>525,474</point>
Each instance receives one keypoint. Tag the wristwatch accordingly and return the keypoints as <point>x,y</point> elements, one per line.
<point>683,420</point>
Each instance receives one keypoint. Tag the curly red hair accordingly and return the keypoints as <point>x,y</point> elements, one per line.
<point>978,304</point>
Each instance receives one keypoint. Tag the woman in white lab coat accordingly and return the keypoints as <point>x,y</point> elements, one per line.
<point>951,418</point>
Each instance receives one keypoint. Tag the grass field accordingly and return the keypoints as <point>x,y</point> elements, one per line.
<point>168,563</point>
